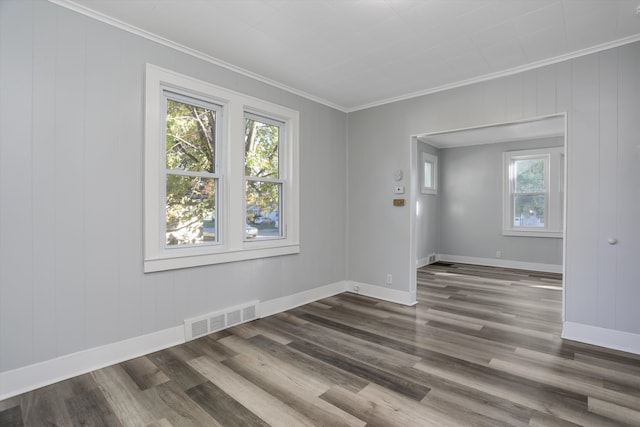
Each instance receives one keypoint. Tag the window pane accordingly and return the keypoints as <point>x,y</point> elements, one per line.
<point>529,176</point>
<point>191,210</point>
<point>261,149</point>
<point>529,210</point>
<point>428,175</point>
<point>190,135</point>
<point>263,206</point>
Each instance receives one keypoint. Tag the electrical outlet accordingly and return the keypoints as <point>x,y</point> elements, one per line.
<point>389,279</point>
<point>498,254</point>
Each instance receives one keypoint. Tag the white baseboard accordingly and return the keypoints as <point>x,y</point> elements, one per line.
<point>501,262</point>
<point>378,292</point>
<point>422,262</point>
<point>31,377</point>
<point>38,375</point>
<point>610,338</point>
<point>278,305</point>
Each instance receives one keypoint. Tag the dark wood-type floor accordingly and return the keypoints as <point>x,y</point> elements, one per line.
<point>481,348</point>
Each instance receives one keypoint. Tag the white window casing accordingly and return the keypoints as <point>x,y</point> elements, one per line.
<point>429,174</point>
<point>552,193</point>
<point>231,244</point>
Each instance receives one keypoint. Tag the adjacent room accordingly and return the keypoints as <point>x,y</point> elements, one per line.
<point>284,212</point>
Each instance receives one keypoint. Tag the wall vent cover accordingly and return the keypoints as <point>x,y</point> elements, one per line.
<point>197,327</point>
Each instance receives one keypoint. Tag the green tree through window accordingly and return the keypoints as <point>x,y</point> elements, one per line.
<point>190,181</point>
<point>262,172</point>
<point>530,189</point>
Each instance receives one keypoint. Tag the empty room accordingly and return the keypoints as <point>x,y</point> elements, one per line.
<point>319,213</point>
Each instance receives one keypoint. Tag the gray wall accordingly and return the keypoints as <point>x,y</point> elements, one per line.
<point>428,209</point>
<point>601,95</point>
<point>71,128</point>
<point>471,205</point>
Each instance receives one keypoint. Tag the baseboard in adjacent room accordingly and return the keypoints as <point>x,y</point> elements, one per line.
<point>501,262</point>
<point>427,260</point>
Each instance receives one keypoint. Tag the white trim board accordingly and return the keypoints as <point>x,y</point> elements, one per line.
<point>378,292</point>
<point>27,378</point>
<point>609,338</point>
<point>278,305</point>
<point>87,11</point>
<point>422,262</point>
<point>31,377</point>
<point>501,262</point>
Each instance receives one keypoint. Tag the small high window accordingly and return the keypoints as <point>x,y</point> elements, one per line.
<point>429,174</point>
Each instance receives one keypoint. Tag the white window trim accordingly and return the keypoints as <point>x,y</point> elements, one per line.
<point>231,215</point>
<point>433,160</point>
<point>554,193</point>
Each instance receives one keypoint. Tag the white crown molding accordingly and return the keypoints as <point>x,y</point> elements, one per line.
<point>504,73</point>
<point>71,5</point>
<point>83,10</point>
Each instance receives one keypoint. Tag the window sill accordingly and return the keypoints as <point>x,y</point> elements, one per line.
<point>532,233</point>
<point>171,262</point>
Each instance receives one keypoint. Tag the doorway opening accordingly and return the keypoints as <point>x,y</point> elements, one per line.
<point>465,218</point>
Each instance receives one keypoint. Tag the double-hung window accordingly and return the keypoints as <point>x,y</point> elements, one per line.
<point>220,176</point>
<point>429,174</point>
<point>263,180</point>
<point>533,196</point>
<point>191,172</point>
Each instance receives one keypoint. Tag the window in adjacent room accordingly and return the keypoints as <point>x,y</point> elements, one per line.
<point>533,192</point>
<point>221,175</point>
<point>429,174</point>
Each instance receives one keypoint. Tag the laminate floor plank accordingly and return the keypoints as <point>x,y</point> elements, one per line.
<point>226,410</point>
<point>177,369</point>
<point>262,404</point>
<point>367,372</point>
<point>11,417</point>
<point>91,409</point>
<point>293,393</point>
<point>252,354</point>
<point>374,414</point>
<point>336,376</point>
<point>350,345</point>
<point>144,372</point>
<point>178,408</point>
<point>482,347</point>
<point>124,396</point>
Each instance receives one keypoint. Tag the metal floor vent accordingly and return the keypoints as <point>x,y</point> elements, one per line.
<point>208,323</point>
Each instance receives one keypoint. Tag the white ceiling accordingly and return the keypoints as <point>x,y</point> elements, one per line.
<point>543,127</point>
<point>351,54</point>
